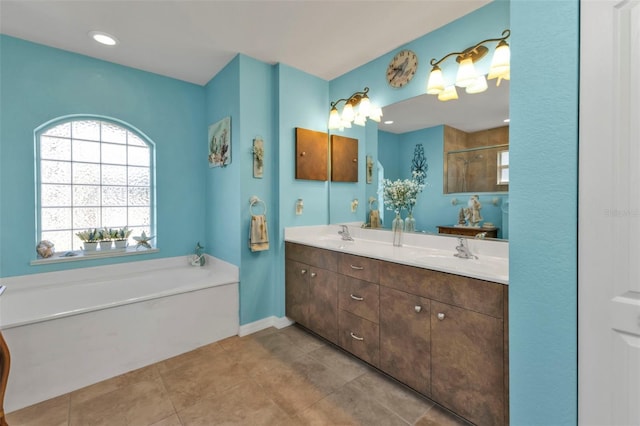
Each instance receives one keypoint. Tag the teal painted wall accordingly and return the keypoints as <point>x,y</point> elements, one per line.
<point>38,84</point>
<point>543,195</point>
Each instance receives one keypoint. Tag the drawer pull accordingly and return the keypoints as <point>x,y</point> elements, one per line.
<point>358,268</point>
<point>359,299</point>
<point>440,316</point>
<point>417,308</point>
<point>313,274</point>
<point>356,337</point>
<point>303,271</point>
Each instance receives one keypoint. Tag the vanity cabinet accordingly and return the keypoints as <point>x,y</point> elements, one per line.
<point>443,335</point>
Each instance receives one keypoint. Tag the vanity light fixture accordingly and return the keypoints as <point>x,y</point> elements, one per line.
<point>103,38</point>
<point>467,76</point>
<point>357,108</point>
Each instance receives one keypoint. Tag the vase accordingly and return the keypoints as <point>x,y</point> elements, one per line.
<point>89,246</point>
<point>410,223</point>
<point>397,226</point>
<point>120,244</point>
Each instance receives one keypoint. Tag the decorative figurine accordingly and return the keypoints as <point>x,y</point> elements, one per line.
<point>143,240</point>
<point>461,217</point>
<point>198,259</point>
<point>45,249</point>
<point>474,210</point>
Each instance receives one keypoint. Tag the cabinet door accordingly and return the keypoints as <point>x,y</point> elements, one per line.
<point>297,292</point>
<point>323,303</point>
<point>467,363</point>
<point>405,341</point>
<point>359,336</point>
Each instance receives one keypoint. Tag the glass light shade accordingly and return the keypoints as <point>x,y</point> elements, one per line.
<point>376,114</point>
<point>347,113</point>
<point>364,108</point>
<point>479,86</point>
<point>449,93</point>
<point>466,73</point>
<point>360,120</point>
<point>345,124</point>
<point>334,119</point>
<point>501,62</point>
<point>435,84</point>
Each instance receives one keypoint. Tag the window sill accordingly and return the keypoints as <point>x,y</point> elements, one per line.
<point>99,254</point>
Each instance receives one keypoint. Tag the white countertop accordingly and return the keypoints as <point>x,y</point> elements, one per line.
<point>422,250</point>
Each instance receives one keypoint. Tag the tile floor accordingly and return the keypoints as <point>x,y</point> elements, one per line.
<point>273,377</point>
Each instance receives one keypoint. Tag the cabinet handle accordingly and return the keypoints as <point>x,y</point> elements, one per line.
<point>359,299</point>
<point>440,316</point>
<point>417,308</point>
<point>356,337</point>
<point>313,274</point>
<point>303,271</point>
<point>358,268</point>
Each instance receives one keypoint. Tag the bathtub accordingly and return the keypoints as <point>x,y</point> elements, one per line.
<point>73,328</point>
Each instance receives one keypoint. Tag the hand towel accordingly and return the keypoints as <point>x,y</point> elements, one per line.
<point>374,219</point>
<point>258,237</point>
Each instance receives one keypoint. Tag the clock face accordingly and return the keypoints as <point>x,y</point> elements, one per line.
<point>402,68</point>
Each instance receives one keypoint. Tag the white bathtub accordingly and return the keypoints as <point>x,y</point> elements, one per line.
<point>69,329</point>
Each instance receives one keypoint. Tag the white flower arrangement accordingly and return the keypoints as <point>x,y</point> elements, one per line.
<point>401,193</point>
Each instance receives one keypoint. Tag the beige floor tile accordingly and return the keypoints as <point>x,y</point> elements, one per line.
<point>196,357</point>
<point>53,412</point>
<point>172,420</point>
<point>349,406</point>
<point>438,416</point>
<point>302,340</point>
<point>115,383</point>
<point>340,362</point>
<point>245,404</point>
<point>397,398</point>
<point>194,381</point>
<point>140,403</point>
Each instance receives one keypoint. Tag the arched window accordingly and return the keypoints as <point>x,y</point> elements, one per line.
<point>92,174</point>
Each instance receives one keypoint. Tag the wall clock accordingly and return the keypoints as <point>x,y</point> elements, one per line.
<point>402,68</point>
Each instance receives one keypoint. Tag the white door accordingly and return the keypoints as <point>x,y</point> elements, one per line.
<point>609,214</point>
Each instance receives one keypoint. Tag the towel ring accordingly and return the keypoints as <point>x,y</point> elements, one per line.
<point>371,202</point>
<point>255,200</point>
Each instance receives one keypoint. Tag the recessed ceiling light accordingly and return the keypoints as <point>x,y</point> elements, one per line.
<point>388,122</point>
<point>506,120</point>
<point>103,38</point>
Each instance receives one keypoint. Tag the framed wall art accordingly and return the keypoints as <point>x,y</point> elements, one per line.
<point>220,143</point>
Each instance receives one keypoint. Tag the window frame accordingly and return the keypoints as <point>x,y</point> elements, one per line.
<point>500,166</point>
<point>78,254</point>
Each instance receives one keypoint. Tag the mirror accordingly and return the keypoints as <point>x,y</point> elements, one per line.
<point>421,131</point>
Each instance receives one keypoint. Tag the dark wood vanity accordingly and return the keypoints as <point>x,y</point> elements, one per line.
<point>444,335</point>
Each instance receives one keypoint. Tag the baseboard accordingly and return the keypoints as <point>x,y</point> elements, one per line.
<point>256,326</point>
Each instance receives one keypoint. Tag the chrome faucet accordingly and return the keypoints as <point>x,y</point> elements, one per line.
<point>463,251</point>
<point>346,236</point>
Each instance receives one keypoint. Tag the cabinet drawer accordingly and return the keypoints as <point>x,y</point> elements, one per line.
<point>359,267</point>
<point>359,297</point>
<point>321,258</point>
<point>469,293</point>
<point>360,337</point>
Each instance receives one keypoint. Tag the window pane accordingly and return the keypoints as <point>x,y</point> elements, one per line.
<point>60,239</point>
<point>55,218</point>
<point>62,130</point>
<point>114,175</point>
<point>114,195</point>
<point>55,171</point>
<point>114,217</point>
<point>134,140</point>
<point>138,176</point>
<point>113,133</point>
<point>504,176</point>
<point>86,173</point>
<point>504,158</point>
<point>139,216</point>
<point>55,195</point>
<point>138,156</point>
<point>139,196</point>
<point>114,154</point>
<point>55,148</point>
<point>86,217</point>
<point>86,151</point>
<point>86,195</point>
<point>87,129</point>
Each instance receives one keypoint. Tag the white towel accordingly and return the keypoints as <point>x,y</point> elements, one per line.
<point>258,236</point>
<point>374,219</point>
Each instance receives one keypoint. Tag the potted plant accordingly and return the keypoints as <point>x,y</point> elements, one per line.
<point>121,237</point>
<point>107,235</point>
<point>90,239</point>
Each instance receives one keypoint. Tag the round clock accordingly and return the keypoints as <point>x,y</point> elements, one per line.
<point>402,68</point>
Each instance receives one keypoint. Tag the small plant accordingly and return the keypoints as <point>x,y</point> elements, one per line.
<point>108,234</point>
<point>122,234</point>
<point>90,235</point>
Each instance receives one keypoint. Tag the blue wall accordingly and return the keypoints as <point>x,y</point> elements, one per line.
<point>543,192</point>
<point>38,84</point>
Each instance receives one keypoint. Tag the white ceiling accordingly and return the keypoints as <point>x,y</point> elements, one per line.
<point>193,40</point>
